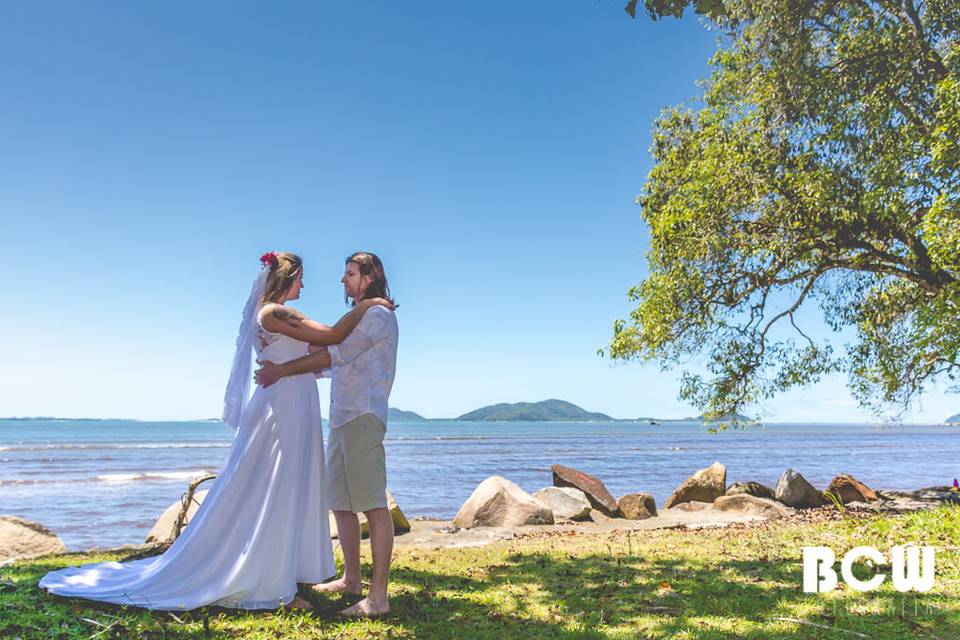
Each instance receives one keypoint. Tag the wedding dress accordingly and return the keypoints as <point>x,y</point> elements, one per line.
<point>261,529</point>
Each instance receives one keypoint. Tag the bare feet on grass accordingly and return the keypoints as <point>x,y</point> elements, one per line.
<point>367,608</point>
<point>341,585</point>
<point>299,603</point>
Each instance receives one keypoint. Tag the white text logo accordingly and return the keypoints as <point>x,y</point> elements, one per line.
<point>908,570</point>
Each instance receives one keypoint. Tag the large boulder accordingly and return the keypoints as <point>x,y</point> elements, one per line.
<point>793,490</point>
<point>693,505</point>
<point>593,487</point>
<point>751,489</point>
<point>162,530</point>
<point>706,485</point>
<point>565,502</point>
<point>20,538</point>
<point>497,502</point>
<point>752,505</point>
<point>400,522</point>
<point>849,489</point>
<point>637,506</point>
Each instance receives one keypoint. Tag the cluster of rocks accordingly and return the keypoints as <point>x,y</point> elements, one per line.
<point>576,495</point>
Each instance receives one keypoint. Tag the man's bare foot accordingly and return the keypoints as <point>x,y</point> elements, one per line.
<point>299,603</point>
<point>339,586</point>
<point>367,608</point>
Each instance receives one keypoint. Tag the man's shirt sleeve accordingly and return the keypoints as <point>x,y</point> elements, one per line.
<point>368,332</point>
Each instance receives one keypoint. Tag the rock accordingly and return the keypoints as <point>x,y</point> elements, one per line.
<point>21,538</point>
<point>637,506</point>
<point>793,490</point>
<point>598,517</point>
<point>752,505</point>
<point>400,522</point>
<point>162,531</point>
<point>592,486</point>
<point>706,485</point>
<point>849,489</point>
<point>751,489</point>
<point>565,502</point>
<point>497,502</point>
<point>693,505</point>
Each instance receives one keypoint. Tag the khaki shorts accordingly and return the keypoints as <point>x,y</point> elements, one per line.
<point>356,466</point>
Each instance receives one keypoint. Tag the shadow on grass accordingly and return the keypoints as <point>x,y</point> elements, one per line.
<point>536,595</point>
<point>596,596</point>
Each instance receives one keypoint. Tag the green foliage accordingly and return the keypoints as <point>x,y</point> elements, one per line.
<point>821,166</point>
<point>662,8</point>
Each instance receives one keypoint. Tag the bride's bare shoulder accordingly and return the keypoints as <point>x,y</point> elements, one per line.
<point>274,316</point>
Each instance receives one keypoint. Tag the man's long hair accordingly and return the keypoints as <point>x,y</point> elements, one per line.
<point>370,265</point>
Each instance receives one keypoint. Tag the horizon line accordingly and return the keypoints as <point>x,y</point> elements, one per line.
<point>425,419</point>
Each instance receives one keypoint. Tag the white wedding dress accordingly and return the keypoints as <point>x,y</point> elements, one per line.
<point>261,529</point>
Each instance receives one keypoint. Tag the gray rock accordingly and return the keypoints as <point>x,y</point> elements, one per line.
<point>596,492</point>
<point>752,505</point>
<point>750,488</point>
<point>20,538</point>
<point>693,505</point>
<point>162,530</point>
<point>637,506</point>
<point>706,485</point>
<point>497,502</point>
<point>793,490</point>
<point>565,502</point>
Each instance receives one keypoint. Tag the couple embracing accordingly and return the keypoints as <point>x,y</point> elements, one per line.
<point>262,531</point>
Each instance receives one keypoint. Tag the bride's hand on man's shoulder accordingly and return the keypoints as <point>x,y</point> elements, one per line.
<point>380,302</point>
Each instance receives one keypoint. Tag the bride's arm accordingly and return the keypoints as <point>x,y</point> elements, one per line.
<point>290,322</point>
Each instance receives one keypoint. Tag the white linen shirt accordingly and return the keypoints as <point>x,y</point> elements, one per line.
<point>362,368</point>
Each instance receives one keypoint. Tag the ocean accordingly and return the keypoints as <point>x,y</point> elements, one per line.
<point>103,483</point>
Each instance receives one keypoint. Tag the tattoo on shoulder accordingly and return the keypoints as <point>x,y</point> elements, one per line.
<point>289,316</point>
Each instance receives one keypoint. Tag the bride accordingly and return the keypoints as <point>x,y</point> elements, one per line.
<point>263,526</point>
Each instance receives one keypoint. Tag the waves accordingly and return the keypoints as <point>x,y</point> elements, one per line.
<point>109,446</point>
<point>114,478</point>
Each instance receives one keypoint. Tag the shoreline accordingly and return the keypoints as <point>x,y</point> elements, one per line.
<point>578,581</point>
<point>440,534</point>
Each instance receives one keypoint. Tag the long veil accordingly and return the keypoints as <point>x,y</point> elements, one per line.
<point>238,386</point>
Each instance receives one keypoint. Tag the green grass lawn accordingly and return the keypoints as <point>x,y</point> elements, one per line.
<point>722,583</point>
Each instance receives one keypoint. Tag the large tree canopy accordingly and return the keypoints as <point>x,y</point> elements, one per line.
<point>821,166</point>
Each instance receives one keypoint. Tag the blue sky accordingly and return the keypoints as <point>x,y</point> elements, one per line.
<point>489,152</point>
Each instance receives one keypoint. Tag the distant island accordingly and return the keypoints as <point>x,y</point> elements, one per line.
<point>953,419</point>
<point>404,416</point>
<point>544,411</point>
<point>550,411</point>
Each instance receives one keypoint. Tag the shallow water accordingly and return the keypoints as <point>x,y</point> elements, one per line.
<point>105,482</point>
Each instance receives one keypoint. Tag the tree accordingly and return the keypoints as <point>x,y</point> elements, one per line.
<point>821,166</point>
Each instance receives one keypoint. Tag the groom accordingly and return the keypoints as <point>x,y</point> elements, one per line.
<point>362,368</point>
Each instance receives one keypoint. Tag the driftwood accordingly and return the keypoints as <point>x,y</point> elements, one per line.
<point>185,500</point>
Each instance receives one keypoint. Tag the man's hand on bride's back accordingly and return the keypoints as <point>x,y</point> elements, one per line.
<point>267,374</point>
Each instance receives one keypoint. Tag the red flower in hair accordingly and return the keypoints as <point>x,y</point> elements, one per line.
<point>268,259</point>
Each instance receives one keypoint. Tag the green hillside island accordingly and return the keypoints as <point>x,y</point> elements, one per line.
<point>399,415</point>
<point>545,411</point>
<point>953,419</point>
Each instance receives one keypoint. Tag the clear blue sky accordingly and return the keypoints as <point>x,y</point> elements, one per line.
<point>490,152</point>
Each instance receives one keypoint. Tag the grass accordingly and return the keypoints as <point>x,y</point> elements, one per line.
<point>725,583</point>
